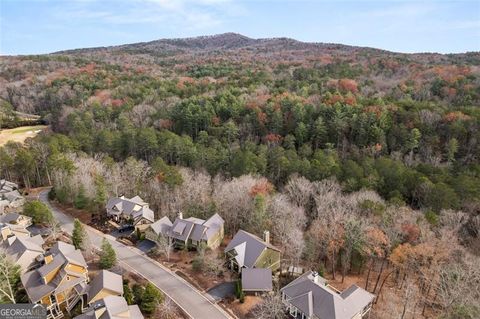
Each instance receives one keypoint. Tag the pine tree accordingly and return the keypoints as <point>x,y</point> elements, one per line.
<point>151,298</point>
<point>78,235</point>
<point>108,257</point>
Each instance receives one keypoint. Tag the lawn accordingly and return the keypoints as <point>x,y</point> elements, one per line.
<point>19,134</point>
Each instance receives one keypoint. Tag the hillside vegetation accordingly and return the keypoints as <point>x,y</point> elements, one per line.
<point>320,143</point>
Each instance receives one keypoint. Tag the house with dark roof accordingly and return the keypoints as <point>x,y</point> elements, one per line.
<point>246,250</point>
<point>310,297</point>
<point>134,211</point>
<point>60,282</point>
<point>159,228</point>
<point>192,232</point>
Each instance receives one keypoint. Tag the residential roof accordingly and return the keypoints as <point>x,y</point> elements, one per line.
<point>135,207</point>
<point>116,307</point>
<point>312,296</point>
<point>195,228</point>
<point>181,229</point>
<point>213,224</point>
<point>12,195</point>
<point>35,287</point>
<point>257,279</point>
<point>69,252</point>
<point>162,226</point>
<point>24,251</point>
<point>144,212</point>
<point>248,248</point>
<point>105,280</point>
<point>56,263</point>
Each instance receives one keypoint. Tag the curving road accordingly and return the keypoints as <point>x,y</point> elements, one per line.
<point>193,302</point>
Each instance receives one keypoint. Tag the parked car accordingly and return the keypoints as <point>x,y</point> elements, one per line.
<point>126,229</point>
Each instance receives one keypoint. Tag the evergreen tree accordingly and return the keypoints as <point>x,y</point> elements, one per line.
<point>151,298</point>
<point>78,235</point>
<point>108,257</point>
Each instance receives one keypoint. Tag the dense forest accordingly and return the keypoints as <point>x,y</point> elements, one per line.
<point>300,138</point>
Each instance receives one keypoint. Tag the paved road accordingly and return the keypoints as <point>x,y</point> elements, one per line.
<point>188,298</point>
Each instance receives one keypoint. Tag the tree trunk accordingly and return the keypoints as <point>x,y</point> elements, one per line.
<point>381,286</point>
<point>368,274</point>
<point>333,264</point>
<point>379,274</point>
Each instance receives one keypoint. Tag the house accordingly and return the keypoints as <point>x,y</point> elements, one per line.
<point>16,219</point>
<point>257,280</point>
<point>246,250</point>
<point>104,299</point>
<point>112,307</point>
<point>192,232</point>
<point>134,211</point>
<point>10,197</point>
<point>60,282</point>
<point>310,297</point>
<point>12,230</point>
<point>105,283</point>
<point>25,251</point>
<point>159,228</point>
<point>6,186</point>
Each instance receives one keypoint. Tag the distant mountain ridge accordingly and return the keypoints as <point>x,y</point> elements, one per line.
<point>224,41</point>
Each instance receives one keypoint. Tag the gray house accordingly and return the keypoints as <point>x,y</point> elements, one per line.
<point>159,228</point>
<point>133,211</point>
<point>246,250</point>
<point>193,231</point>
<point>310,297</point>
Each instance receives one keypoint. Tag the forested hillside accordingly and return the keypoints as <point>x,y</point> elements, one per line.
<point>195,124</point>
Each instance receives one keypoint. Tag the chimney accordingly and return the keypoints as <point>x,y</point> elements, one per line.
<point>266,236</point>
<point>180,215</point>
<point>315,277</point>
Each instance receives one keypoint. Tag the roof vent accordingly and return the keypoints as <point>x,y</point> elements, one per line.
<point>315,277</point>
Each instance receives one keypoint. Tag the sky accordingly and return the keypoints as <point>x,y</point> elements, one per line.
<point>44,26</point>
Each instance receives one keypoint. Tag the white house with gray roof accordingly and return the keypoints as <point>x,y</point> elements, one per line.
<point>310,297</point>
<point>133,211</point>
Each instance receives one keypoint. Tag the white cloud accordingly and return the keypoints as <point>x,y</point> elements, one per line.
<point>180,14</point>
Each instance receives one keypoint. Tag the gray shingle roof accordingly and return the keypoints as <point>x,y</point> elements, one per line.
<point>248,248</point>
<point>130,206</point>
<point>161,226</point>
<point>35,287</point>
<point>181,229</point>
<point>105,280</point>
<point>257,279</point>
<point>316,298</point>
<point>24,251</point>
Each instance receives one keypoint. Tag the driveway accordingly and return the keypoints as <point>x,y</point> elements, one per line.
<point>146,245</point>
<point>194,303</point>
<point>222,291</point>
